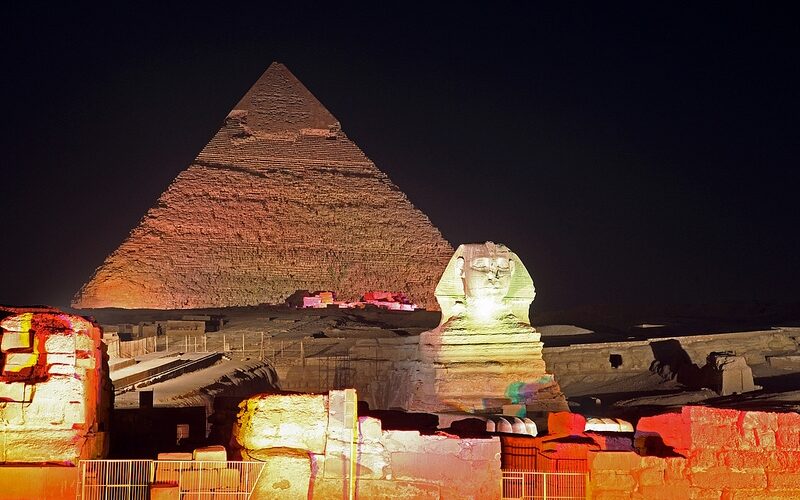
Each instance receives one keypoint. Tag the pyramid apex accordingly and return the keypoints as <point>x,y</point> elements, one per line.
<point>279,102</point>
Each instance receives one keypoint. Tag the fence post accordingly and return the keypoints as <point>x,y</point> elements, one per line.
<point>544,487</point>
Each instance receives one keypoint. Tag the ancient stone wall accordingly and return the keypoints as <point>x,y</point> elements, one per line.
<point>574,363</point>
<point>307,442</point>
<point>55,394</point>
<point>704,453</point>
<point>280,200</point>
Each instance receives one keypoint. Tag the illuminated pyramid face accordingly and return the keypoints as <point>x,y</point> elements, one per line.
<point>279,200</point>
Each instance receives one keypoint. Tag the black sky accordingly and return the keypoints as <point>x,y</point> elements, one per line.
<point>627,153</point>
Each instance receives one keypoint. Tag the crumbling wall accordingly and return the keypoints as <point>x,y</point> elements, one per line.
<point>303,462</point>
<point>704,453</point>
<point>55,394</point>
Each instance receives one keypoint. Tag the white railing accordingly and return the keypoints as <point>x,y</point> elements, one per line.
<point>115,479</point>
<point>133,479</point>
<point>530,485</point>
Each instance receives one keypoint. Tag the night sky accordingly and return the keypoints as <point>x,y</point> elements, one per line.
<point>629,154</point>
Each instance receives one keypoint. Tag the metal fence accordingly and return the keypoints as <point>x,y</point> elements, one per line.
<point>134,479</point>
<point>529,485</point>
<point>522,453</point>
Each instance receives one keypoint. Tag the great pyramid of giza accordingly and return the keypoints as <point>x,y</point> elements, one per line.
<point>279,200</point>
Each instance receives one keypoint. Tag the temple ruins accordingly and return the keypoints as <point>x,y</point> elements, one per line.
<point>280,200</point>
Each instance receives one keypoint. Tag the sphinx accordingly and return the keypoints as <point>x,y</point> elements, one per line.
<point>484,355</point>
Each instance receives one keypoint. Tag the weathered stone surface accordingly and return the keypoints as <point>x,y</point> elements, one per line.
<point>214,453</point>
<point>279,200</point>
<point>297,421</point>
<point>710,453</point>
<point>54,405</point>
<point>389,464</point>
<point>729,374</point>
<point>485,354</point>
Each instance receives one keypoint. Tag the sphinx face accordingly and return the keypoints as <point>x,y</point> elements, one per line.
<point>487,276</point>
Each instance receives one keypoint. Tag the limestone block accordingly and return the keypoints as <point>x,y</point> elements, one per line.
<point>12,391</point>
<point>784,362</point>
<point>175,456</point>
<point>61,359</point>
<point>60,344</point>
<point>12,413</point>
<point>40,445</point>
<point>729,374</point>
<point>369,428</point>
<point>61,370</point>
<point>326,488</point>
<point>161,491</point>
<point>283,421</point>
<point>215,453</point>
<point>286,476</point>
<point>17,323</point>
<point>15,362</point>
<point>15,340</point>
<point>402,441</point>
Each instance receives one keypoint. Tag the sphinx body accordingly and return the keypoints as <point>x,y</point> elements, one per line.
<point>484,354</point>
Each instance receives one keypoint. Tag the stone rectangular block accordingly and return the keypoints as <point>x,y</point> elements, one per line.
<point>15,340</point>
<point>784,480</point>
<point>614,461</point>
<point>714,477</point>
<point>12,391</point>
<point>161,491</point>
<point>60,344</point>
<point>216,453</point>
<point>610,480</point>
<point>297,421</point>
<point>15,362</point>
<point>175,456</point>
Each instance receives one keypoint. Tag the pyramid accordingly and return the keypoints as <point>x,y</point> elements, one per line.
<point>279,200</point>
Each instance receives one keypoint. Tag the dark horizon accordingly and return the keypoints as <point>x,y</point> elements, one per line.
<point>637,154</point>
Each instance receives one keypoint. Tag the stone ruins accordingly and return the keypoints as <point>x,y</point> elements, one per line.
<point>485,354</point>
<point>279,200</point>
<point>55,394</point>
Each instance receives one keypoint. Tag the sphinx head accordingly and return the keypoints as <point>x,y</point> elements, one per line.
<point>483,280</point>
<point>485,271</point>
